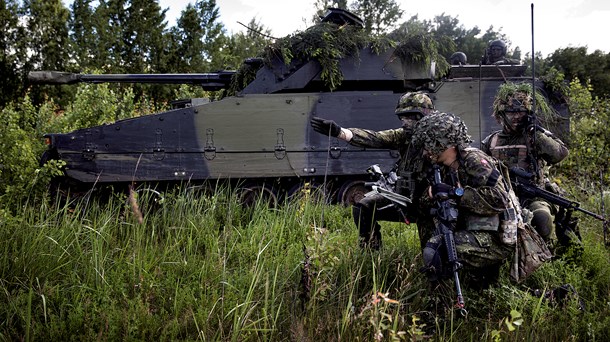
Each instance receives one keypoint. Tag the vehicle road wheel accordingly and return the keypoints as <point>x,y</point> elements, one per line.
<point>351,192</point>
<point>310,190</point>
<point>251,193</point>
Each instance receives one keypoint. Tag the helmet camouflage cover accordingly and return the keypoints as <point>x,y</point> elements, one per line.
<point>413,102</point>
<point>439,131</point>
<point>512,97</point>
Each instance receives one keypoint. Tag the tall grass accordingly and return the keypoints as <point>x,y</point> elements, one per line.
<point>205,268</point>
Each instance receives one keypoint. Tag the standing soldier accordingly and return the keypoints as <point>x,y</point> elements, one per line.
<point>495,54</point>
<point>524,144</point>
<point>482,197</point>
<point>411,107</point>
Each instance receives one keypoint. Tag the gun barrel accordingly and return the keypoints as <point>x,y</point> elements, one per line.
<point>209,81</point>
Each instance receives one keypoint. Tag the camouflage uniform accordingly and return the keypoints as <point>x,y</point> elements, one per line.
<point>409,167</point>
<point>495,54</point>
<point>477,236</point>
<point>528,147</point>
<point>371,209</point>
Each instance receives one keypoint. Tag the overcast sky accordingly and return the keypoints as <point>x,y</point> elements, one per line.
<point>557,23</point>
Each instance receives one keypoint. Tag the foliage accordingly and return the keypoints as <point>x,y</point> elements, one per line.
<point>21,178</point>
<point>424,49</point>
<point>202,267</point>
<point>379,15</point>
<point>326,43</point>
<point>589,137</point>
<point>97,104</point>
<point>593,69</point>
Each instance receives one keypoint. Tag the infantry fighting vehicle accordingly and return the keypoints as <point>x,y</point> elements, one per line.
<point>260,139</point>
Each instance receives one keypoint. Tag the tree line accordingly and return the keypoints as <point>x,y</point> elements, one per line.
<point>133,36</point>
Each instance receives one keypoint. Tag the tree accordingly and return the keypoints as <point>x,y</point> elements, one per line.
<point>379,15</point>
<point>83,34</point>
<point>198,38</point>
<point>47,40</point>
<point>142,36</point>
<point>575,63</point>
<point>11,56</point>
<point>247,44</point>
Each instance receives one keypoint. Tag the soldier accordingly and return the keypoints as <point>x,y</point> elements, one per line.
<point>458,58</point>
<point>482,202</point>
<point>524,144</point>
<point>495,54</point>
<point>411,107</point>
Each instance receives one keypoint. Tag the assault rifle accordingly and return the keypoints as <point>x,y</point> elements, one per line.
<point>522,182</point>
<point>385,186</point>
<point>524,187</point>
<point>446,215</point>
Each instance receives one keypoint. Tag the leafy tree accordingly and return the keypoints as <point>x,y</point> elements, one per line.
<point>188,37</point>
<point>48,41</point>
<point>247,44</point>
<point>142,36</point>
<point>575,63</point>
<point>83,34</point>
<point>379,15</point>
<point>199,38</point>
<point>589,136</point>
<point>11,56</point>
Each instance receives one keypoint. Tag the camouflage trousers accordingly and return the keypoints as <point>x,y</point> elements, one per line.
<point>543,215</point>
<point>482,253</point>
<point>368,212</point>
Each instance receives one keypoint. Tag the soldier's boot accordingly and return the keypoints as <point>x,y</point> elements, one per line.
<point>568,235</point>
<point>369,230</point>
<point>561,296</point>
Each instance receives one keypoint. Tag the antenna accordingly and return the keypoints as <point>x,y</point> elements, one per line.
<point>533,69</point>
<point>534,119</point>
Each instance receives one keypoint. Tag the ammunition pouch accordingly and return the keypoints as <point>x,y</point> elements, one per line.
<point>405,183</point>
<point>509,223</point>
<point>482,223</point>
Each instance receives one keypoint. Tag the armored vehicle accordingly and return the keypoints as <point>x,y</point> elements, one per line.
<point>260,139</point>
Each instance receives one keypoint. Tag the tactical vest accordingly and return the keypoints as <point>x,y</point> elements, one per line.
<point>515,155</point>
<point>510,154</point>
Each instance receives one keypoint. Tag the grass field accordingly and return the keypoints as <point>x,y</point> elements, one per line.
<point>204,268</point>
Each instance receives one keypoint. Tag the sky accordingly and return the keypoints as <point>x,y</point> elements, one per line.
<point>557,23</point>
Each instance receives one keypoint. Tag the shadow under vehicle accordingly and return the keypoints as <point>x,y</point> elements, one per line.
<point>260,139</point>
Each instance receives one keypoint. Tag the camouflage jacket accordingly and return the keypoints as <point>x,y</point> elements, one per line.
<point>486,195</point>
<point>410,165</point>
<point>521,149</point>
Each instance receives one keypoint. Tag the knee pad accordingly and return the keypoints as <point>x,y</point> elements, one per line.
<point>542,221</point>
<point>433,262</point>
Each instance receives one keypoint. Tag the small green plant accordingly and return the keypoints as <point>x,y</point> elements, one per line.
<point>507,325</point>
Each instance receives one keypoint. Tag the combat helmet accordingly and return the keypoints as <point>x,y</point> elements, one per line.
<point>512,97</point>
<point>413,102</point>
<point>438,131</point>
<point>499,43</point>
<point>458,58</point>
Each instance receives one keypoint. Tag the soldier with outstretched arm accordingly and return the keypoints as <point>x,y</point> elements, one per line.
<point>411,107</point>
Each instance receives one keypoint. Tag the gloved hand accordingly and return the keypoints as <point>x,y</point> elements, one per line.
<point>534,128</point>
<point>441,188</point>
<point>326,127</point>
